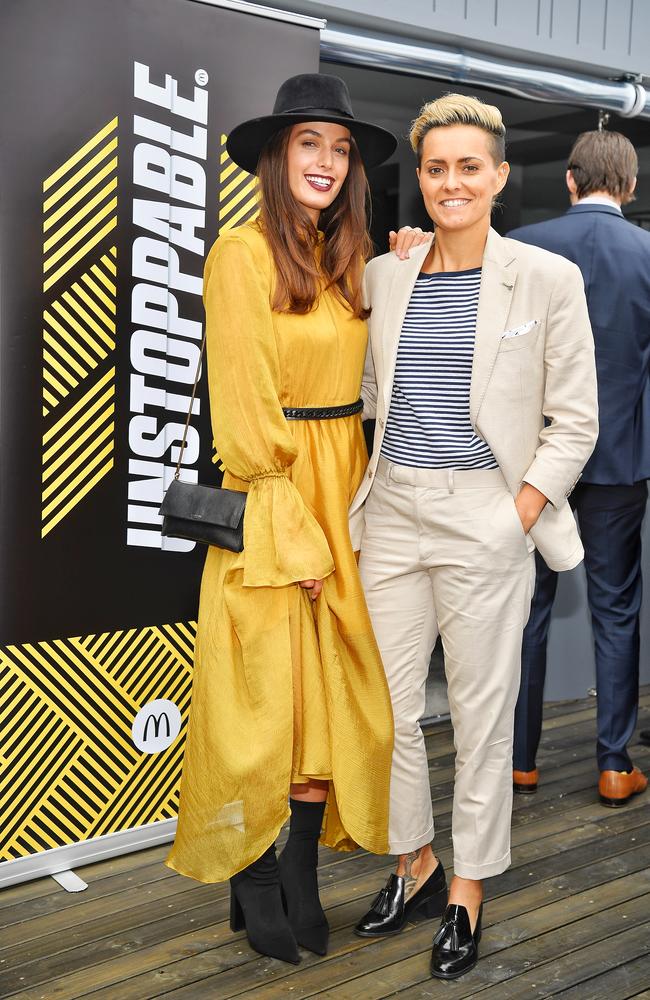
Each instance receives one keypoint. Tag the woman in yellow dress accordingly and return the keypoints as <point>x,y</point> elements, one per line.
<point>289,694</point>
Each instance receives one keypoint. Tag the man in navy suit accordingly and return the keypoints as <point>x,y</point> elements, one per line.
<point>610,500</point>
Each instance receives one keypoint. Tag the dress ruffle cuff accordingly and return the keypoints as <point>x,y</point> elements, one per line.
<point>283,541</point>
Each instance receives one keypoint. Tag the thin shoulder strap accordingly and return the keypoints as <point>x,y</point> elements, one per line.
<point>190,408</point>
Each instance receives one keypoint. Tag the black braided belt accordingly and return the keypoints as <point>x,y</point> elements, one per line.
<point>322,412</point>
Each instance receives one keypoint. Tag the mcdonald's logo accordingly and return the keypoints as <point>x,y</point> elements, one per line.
<point>156,726</point>
<point>156,719</point>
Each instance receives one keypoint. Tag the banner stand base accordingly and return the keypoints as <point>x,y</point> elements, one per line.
<point>60,861</point>
<point>70,881</point>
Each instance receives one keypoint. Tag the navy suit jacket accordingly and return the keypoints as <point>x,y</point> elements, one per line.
<point>614,257</point>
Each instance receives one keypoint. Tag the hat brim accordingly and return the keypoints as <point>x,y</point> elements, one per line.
<point>246,141</point>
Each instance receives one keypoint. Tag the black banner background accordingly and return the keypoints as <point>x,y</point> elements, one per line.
<point>65,70</point>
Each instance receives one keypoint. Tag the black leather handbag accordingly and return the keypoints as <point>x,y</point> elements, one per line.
<point>203,514</point>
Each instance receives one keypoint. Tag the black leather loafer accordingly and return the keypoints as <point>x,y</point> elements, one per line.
<point>455,948</point>
<point>390,911</point>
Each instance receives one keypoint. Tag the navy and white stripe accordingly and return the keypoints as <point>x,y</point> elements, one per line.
<point>428,422</point>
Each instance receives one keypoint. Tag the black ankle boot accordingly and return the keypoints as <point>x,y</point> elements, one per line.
<point>256,904</point>
<point>298,863</point>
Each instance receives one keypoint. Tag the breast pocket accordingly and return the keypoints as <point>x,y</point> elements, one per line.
<point>520,337</point>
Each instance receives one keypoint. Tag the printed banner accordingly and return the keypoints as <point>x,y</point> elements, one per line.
<point>115,182</point>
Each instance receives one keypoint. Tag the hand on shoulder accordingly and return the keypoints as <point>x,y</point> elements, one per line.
<point>407,238</point>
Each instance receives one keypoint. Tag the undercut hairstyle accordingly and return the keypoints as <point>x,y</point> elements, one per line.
<point>457,109</point>
<point>302,271</point>
<point>604,161</point>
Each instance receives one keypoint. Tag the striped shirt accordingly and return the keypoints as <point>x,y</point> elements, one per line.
<point>428,423</point>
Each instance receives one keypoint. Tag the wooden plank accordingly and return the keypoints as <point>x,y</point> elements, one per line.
<point>37,891</point>
<point>68,909</point>
<point>38,888</point>
<point>563,821</point>
<point>384,977</point>
<point>56,902</point>
<point>343,973</point>
<point>164,884</point>
<point>626,980</point>
<point>582,964</point>
<point>344,901</point>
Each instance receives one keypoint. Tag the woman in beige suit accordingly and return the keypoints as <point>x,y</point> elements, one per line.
<point>473,342</point>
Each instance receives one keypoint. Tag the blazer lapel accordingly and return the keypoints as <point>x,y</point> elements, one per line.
<point>405,274</point>
<point>498,278</point>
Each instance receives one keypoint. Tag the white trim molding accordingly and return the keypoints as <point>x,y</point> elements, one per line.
<point>259,10</point>
<point>62,859</point>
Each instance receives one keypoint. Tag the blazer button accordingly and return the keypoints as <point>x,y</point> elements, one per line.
<point>381,422</point>
<point>369,473</point>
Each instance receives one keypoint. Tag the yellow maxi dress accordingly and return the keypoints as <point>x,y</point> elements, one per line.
<point>284,688</point>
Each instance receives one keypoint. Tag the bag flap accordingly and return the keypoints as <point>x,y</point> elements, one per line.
<point>204,503</point>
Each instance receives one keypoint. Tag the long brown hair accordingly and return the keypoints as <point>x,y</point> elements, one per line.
<point>293,238</point>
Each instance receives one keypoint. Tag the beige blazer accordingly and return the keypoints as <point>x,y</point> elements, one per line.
<point>533,358</point>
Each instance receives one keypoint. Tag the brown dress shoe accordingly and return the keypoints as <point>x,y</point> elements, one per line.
<point>525,782</point>
<point>616,787</point>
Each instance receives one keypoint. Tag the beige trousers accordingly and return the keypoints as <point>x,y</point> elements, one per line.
<point>444,552</point>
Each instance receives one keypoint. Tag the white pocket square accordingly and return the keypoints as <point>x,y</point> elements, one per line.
<point>518,331</point>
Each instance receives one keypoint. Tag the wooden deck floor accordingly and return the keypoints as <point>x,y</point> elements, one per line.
<point>570,918</point>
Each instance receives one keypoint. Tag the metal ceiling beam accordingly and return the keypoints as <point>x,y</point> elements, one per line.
<point>535,83</point>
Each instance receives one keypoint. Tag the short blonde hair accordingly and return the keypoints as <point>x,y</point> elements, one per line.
<point>458,109</point>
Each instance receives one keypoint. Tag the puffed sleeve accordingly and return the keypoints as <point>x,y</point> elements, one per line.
<point>283,542</point>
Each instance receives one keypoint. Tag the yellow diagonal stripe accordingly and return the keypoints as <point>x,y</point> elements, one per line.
<point>229,188</point>
<point>54,258</point>
<point>107,300</point>
<point>57,428</point>
<point>91,243</point>
<point>81,331</point>
<point>81,458</point>
<point>103,784</point>
<point>79,212</point>
<point>58,367</point>
<point>67,357</point>
<point>247,210</point>
<point>77,498</point>
<point>79,433</point>
<point>105,280</point>
<point>74,342</point>
<point>227,171</point>
<point>107,321</point>
<point>84,325</point>
<point>238,192</point>
<point>80,194</point>
<point>227,204</point>
<point>86,209</point>
<point>87,168</point>
<point>77,485</point>
<point>80,153</point>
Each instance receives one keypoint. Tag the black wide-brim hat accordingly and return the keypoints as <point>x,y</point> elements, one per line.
<point>309,97</point>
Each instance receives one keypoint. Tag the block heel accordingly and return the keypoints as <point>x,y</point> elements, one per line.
<point>237,921</point>
<point>430,908</point>
<point>390,911</point>
<point>256,906</point>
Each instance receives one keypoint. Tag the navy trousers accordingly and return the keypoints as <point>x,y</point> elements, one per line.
<point>610,519</point>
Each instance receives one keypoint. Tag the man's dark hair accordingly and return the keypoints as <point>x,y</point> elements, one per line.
<point>604,161</point>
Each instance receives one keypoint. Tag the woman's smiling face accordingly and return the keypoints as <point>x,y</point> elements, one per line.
<point>458,176</point>
<point>318,159</point>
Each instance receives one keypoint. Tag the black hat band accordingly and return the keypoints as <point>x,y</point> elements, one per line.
<point>306,111</point>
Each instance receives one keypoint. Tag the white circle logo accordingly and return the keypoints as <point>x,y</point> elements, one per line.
<point>156,726</point>
<point>201,77</point>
